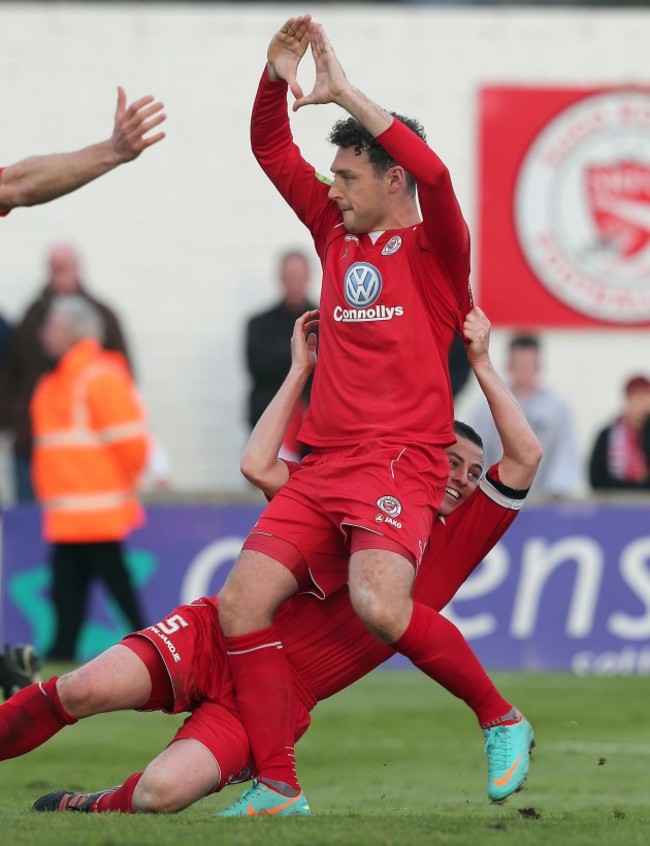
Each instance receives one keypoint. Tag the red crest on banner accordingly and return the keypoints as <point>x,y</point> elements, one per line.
<point>619,196</point>
<point>564,207</point>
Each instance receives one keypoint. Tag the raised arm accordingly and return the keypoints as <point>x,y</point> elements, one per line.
<point>521,449</point>
<point>260,463</point>
<point>331,86</point>
<point>39,179</point>
<point>271,138</point>
<point>286,49</point>
<point>444,225</point>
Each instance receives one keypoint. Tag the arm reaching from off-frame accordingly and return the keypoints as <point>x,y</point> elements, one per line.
<point>521,449</point>
<point>39,179</point>
<point>260,463</point>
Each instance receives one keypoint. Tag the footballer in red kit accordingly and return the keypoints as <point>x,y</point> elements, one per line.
<point>391,302</point>
<point>395,250</point>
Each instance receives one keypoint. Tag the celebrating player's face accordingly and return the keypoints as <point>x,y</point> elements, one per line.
<point>465,471</point>
<point>359,193</point>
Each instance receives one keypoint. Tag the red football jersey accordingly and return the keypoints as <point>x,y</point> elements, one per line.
<point>390,308</point>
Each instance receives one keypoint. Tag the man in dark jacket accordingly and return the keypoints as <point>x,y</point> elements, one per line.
<point>268,348</point>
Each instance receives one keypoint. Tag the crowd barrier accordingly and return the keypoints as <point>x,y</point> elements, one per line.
<point>568,587</point>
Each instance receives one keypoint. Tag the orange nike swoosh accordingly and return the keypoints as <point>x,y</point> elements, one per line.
<point>506,778</point>
<point>253,813</point>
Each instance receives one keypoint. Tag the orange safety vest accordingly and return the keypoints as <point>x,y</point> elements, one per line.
<point>90,446</point>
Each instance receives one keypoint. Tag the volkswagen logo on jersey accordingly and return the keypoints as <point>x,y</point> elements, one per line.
<point>362,284</point>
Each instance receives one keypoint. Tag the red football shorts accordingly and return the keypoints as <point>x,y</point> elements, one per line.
<point>190,646</point>
<point>376,495</point>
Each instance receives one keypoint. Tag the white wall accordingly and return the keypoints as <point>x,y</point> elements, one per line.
<point>183,241</point>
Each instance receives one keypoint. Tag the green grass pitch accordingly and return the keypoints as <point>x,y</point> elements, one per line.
<point>393,761</point>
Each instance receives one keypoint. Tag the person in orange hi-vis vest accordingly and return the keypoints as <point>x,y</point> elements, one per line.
<point>90,448</point>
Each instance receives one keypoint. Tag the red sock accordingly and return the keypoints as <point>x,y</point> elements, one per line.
<point>120,800</point>
<point>30,717</point>
<point>437,647</point>
<point>264,686</point>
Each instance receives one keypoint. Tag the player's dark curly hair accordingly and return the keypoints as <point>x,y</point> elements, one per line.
<point>348,132</point>
<point>464,430</point>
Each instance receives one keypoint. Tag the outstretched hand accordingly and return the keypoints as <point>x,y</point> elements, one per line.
<point>330,79</point>
<point>132,123</point>
<point>304,342</point>
<point>476,334</point>
<point>287,48</point>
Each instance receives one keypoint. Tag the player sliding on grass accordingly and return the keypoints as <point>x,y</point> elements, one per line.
<point>180,664</point>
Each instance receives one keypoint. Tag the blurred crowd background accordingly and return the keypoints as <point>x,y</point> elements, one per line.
<point>201,269</point>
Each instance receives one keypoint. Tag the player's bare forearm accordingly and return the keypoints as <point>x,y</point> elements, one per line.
<point>371,116</point>
<point>260,463</point>
<point>39,179</point>
<point>521,449</point>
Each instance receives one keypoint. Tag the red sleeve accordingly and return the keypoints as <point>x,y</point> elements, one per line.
<point>280,158</point>
<point>3,213</point>
<point>459,544</point>
<point>444,226</point>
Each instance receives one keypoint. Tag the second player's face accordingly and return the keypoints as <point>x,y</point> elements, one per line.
<point>359,193</point>
<point>465,471</point>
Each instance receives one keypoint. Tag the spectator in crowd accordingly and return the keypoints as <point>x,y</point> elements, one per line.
<point>39,179</point>
<point>548,415</point>
<point>620,458</point>
<point>268,353</point>
<point>90,448</point>
<point>27,361</point>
